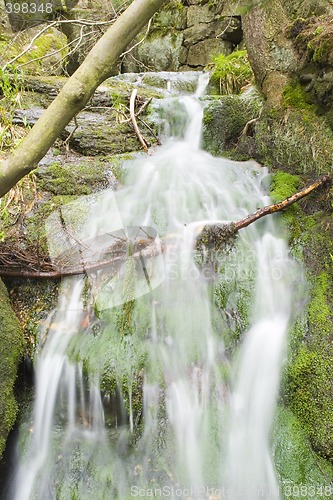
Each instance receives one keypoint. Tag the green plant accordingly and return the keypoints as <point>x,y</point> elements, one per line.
<point>231,72</point>
<point>11,86</point>
<point>11,82</point>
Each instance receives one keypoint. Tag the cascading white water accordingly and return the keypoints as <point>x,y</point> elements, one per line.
<point>207,414</point>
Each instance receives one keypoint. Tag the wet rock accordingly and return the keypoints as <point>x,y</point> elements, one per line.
<point>199,55</point>
<point>157,54</point>
<point>225,119</point>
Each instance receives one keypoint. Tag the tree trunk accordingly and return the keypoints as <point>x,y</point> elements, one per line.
<point>76,92</point>
<point>271,54</point>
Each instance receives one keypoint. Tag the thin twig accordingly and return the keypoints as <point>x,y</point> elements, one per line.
<point>138,43</point>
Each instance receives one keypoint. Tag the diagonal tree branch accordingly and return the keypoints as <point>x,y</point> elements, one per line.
<point>282,205</point>
<point>213,236</point>
<point>216,235</point>
<point>76,92</point>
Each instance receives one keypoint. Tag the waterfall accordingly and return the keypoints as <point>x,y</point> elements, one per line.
<point>202,337</point>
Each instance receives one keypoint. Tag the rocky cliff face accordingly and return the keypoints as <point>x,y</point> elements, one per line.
<point>183,36</point>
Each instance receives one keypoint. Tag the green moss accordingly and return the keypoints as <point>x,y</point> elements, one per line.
<point>32,302</point>
<point>321,53</point>
<point>46,43</point>
<point>11,350</point>
<point>72,179</point>
<point>219,135</point>
<point>296,463</point>
<point>283,185</point>
<point>308,379</point>
<point>294,96</point>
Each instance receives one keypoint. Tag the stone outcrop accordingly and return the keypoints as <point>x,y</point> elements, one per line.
<point>185,36</point>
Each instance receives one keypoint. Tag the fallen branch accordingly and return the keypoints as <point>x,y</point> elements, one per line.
<point>142,141</point>
<point>149,250</point>
<point>214,236</point>
<point>282,205</point>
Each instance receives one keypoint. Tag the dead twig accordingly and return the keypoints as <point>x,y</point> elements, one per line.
<point>142,140</point>
<point>52,271</point>
<point>139,42</point>
<point>70,135</point>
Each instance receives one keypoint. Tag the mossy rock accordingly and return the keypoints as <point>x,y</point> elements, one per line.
<point>308,381</point>
<point>225,119</point>
<point>119,354</point>
<point>75,177</point>
<point>296,464</point>
<point>313,40</point>
<point>299,141</point>
<point>11,350</point>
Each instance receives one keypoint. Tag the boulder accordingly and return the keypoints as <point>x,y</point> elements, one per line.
<point>199,55</point>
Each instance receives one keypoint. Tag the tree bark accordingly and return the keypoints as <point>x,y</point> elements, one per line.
<point>76,92</point>
<point>271,54</point>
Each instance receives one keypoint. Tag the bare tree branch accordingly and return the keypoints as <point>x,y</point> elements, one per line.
<point>216,235</point>
<point>75,94</point>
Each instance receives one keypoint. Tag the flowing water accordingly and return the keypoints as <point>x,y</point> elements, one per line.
<point>203,341</point>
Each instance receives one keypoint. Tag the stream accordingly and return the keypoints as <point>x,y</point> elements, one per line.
<point>198,338</point>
